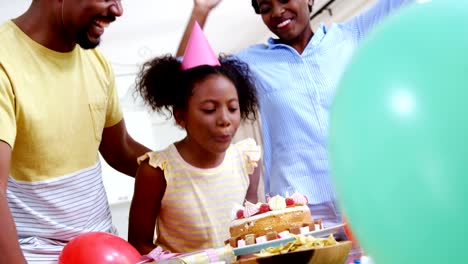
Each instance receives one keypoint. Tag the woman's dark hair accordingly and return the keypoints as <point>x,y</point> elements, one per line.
<point>257,9</point>
<point>165,87</point>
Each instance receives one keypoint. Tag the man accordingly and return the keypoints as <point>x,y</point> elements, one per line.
<point>58,108</point>
<point>297,74</point>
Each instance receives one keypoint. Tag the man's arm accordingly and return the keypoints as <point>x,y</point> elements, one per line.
<point>371,17</point>
<point>120,150</point>
<point>201,10</point>
<point>9,246</point>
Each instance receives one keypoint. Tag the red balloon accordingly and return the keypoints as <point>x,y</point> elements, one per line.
<point>98,248</point>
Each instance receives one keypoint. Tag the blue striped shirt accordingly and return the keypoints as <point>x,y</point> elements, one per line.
<point>295,92</point>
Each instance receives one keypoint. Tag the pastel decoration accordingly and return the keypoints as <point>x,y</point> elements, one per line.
<point>305,230</point>
<point>157,254</point>
<point>250,209</point>
<point>198,51</point>
<point>261,239</point>
<point>299,198</point>
<point>240,243</point>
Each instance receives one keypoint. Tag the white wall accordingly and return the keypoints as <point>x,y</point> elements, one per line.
<point>149,28</point>
<point>340,11</point>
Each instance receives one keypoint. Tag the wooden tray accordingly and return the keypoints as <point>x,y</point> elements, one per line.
<point>274,243</point>
<point>336,254</point>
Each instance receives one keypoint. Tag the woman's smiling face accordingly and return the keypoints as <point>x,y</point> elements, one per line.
<point>287,19</point>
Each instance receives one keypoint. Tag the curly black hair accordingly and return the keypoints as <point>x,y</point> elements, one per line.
<point>257,9</point>
<point>166,88</point>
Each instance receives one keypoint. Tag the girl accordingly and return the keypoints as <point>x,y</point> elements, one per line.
<point>189,189</point>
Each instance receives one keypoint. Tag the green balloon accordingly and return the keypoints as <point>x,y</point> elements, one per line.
<point>399,137</point>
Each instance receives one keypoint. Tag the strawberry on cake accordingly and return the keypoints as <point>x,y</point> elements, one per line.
<point>261,222</point>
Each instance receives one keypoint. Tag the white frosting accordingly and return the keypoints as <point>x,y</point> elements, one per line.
<point>234,210</point>
<point>277,203</point>
<point>247,222</point>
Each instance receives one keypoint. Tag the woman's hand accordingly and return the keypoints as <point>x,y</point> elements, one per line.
<point>207,5</point>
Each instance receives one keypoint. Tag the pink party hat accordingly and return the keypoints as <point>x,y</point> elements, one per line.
<point>198,51</point>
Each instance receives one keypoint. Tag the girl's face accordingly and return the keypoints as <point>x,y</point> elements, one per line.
<point>213,114</point>
<point>287,19</point>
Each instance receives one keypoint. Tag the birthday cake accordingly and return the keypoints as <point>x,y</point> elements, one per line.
<point>278,218</point>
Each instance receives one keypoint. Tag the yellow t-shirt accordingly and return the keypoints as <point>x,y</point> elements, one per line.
<point>53,109</point>
<point>53,106</point>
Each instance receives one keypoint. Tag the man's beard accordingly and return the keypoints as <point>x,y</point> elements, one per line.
<point>83,40</point>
